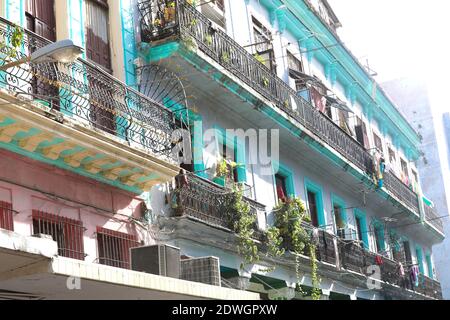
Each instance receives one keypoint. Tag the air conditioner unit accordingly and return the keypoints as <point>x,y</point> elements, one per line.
<point>204,270</point>
<point>162,260</point>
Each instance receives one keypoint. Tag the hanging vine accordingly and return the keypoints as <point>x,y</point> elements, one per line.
<point>243,222</point>
<point>289,230</point>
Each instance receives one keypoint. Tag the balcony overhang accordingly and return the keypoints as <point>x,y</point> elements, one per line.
<point>30,266</point>
<point>34,130</point>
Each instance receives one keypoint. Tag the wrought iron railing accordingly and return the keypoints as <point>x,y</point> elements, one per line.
<point>401,191</point>
<point>160,20</point>
<point>206,201</point>
<point>355,258</point>
<point>84,91</point>
<point>433,218</point>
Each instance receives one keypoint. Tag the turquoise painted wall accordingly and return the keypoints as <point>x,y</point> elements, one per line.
<point>15,11</point>
<point>129,42</point>
<point>76,22</point>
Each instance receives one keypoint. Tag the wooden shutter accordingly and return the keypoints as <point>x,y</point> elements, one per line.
<point>6,216</point>
<point>41,18</point>
<point>97,33</point>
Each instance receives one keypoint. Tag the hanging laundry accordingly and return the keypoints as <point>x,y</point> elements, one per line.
<point>280,193</point>
<point>319,100</point>
<point>379,260</point>
<point>181,179</point>
<point>401,269</point>
<point>414,276</point>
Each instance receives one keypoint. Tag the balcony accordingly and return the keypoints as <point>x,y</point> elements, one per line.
<point>204,201</point>
<point>161,24</point>
<point>432,217</point>
<point>355,258</point>
<point>80,118</point>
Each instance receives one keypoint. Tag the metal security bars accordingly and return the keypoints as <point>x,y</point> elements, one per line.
<point>6,216</point>
<point>114,247</point>
<point>177,19</point>
<point>68,233</point>
<point>86,92</point>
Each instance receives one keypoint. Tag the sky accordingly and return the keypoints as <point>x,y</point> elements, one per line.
<point>398,37</point>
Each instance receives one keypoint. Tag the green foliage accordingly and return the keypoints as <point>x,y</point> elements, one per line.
<point>289,227</point>
<point>265,81</point>
<point>259,58</point>
<point>208,39</point>
<point>275,243</point>
<point>11,49</point>
<point>243,222</point>
<point>17,37</point>
<point>225,57</point>
<point>290,216</point>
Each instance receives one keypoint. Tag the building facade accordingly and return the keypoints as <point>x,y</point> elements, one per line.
<point>419,104</point>
<point>95,153</point>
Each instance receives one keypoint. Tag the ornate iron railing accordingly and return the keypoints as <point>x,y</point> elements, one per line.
<point>84,91</point>
<point>433,218</point>
<point>402,192</point>
<point>206,201</point>
<point>169,19</point>
<point>355,258</point>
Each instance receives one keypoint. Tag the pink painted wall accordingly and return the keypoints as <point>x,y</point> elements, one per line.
<point>31,185</point>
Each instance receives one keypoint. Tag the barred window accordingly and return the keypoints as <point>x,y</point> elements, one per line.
<point>68,233</point>
<point>114,247</point>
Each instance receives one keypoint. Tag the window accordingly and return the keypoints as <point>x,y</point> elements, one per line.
<point>68,233</point>
<point>294,63</point>
<point>359,229</point>
<point>313,210</point>
<point>40,15</point>
<point>114,248</point>
<point>405,175</point>
<point>392,157</point>
<point>339,219</point>
<point>229,155</point>
<point>407,248</point>
<point>263,45</point>
<point>282,193</point>
<point>378,142</point>
<point>6,216</point>
<point>379,239</point>
<point>361,133</point>
<point>97,50</point>
<point>97,33</point>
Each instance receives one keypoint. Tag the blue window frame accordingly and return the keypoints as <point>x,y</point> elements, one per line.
<point>314,196</point>
<point>238,147</point>
<point>285,176</point>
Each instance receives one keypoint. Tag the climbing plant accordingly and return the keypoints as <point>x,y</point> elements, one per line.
<point>242,221</point>
<point>290,230</point>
